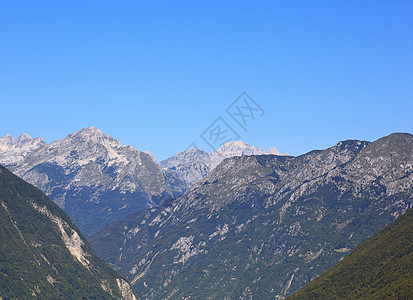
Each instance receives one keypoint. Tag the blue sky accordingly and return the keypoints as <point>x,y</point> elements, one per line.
<point>156,74</point>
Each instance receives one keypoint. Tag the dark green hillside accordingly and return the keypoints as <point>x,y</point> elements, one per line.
<point>380,268</point>
<point>42,254</point>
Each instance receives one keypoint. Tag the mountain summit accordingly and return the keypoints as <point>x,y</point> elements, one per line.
<point>93,177</point>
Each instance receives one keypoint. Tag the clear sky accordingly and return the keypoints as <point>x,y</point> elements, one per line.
<point>157,74</point>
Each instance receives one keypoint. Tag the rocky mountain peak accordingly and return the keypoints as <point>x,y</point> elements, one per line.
<point>6,141</point>
<point>192,151</point>
<point>393,143</point>
<point>188,156</point>
<point>274,151</point>
<point>93,135</point>
<point>90,130</point>
<point>389,158</point>
<point>238,148</point>
<point>23,138</point>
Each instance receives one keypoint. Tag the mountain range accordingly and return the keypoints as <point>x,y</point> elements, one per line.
<point>97,180</point>
<point>43,254</point>
<point>238,222</point>
<point>263,226</point>
<point>94,178</point>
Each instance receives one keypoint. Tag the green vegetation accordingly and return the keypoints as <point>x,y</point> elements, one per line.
<point>34,260</point>
<point>380,268</point>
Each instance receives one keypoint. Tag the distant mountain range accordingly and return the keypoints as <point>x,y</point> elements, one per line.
<point>262,226</point>
<point>97,180</point>
<point>43,254</point>
<point>380,268</point>
<point>185,168</point>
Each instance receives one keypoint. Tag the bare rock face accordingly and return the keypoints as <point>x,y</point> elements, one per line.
<point>262,226</point>
<point>92,176</point>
